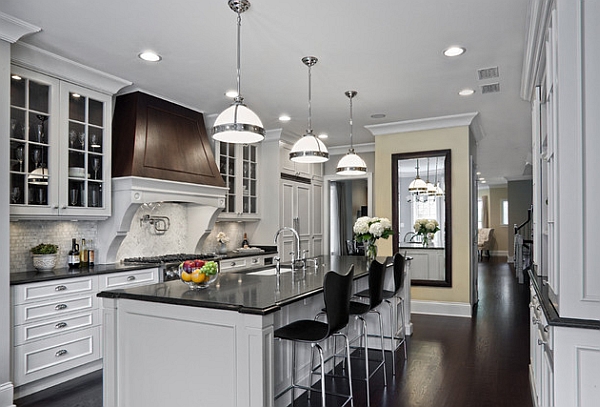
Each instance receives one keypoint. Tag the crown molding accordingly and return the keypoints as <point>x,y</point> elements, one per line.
<point>358,148</point>
<point>11,28</point>
<point>442,122</point>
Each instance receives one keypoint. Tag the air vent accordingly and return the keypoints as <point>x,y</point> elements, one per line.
<point>490,88</point>
<point>487,73</point>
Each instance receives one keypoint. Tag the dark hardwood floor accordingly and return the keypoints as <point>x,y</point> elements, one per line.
<point>452,361</point>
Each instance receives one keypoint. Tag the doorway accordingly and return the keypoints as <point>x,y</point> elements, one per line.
<point>345,199</point>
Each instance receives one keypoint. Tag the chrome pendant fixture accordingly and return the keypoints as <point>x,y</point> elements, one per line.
<point>430,187</point>
<point>351,163</point>
<point>309,149</point>
<point>238,124</point>
<point>417,185</point>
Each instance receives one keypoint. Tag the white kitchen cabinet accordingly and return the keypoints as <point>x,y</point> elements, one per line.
<point>427,263</point>
<point>57,327</point>
<point>305,170</point>
<point>60,146</point>
<point>238,165</point>
<point>295,212</point>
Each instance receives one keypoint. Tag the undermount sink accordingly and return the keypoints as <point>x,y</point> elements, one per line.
<point>269,272</point>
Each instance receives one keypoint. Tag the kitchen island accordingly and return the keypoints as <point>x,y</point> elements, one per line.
<point>165,344</point>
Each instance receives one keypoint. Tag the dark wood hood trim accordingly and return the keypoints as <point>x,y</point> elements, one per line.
<point>158,139</point>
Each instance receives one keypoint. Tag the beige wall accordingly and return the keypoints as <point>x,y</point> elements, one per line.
<point>457,140</point>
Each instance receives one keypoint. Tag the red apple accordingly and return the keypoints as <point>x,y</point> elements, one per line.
<point>198,263</point>
<point>188,265</point>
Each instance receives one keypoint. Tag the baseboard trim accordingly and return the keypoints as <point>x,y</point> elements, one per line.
<point>450,309</point>
<point>6,395</point>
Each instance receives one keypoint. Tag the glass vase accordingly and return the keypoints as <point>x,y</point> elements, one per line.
<point>370,250</point>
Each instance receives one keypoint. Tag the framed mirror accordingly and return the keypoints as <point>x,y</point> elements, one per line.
<point>422,214</point>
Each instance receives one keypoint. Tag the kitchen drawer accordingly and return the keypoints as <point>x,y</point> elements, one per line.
<point>56,326</point>
<point>38,311</point>
<point>226,265</point>
<point>128,279</point>
<point>26,293</point>
<point>38,359</point>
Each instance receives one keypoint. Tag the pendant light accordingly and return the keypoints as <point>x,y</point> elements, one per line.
<point>438,191</point>
<point>351,163</point>
<point>430,186</point>
<point>238,124</point>
<point>417,185</point>
<point>309,149</point>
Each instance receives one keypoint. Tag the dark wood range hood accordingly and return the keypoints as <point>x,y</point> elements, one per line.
<point>160,153</point>
<point>158,139</point>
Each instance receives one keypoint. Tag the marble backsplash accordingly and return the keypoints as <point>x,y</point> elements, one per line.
<point>142,239</point>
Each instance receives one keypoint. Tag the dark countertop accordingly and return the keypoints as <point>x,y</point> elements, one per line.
<point>407,245</point>
<point>65,272</point>
<point>33,276</point>
<point>245,292</point>
<point>546,297</point>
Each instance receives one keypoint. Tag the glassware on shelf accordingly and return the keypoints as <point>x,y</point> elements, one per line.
<point>82,139</point>
<point>73,195</point>
<point>37,157</point>
<point>94,141</point>
<point>20,155</point>
<point>15,194</point>
<point>72,137</point>
<point>96,166</point>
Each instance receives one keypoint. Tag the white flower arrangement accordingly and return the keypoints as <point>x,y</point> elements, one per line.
<point>222,238</point>
<point>371,229</point>
<point>426,227</point>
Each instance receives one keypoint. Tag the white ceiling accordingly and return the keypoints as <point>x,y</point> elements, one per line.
<point>390,51</point>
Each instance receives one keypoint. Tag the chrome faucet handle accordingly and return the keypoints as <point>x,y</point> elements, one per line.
<point>304,254</point>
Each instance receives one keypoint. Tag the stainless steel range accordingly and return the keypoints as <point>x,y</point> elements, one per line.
<point>169,263</point>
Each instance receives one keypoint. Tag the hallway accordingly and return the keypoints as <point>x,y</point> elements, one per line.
<point>452,361</point>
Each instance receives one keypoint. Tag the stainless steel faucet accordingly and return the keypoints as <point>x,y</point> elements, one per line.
<point>296,255</point>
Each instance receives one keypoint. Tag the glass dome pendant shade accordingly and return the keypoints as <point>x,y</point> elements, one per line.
<point>417,185</point>
<point>351,163</point>
<point>238,124</point>
<point>309,149</point>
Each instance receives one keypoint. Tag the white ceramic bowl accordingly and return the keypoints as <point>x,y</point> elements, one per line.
<point>77,172</point>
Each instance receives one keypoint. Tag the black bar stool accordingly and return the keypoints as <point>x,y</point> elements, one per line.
<point>397,333</point>
<point>337,290</point>
<point>361,309</point>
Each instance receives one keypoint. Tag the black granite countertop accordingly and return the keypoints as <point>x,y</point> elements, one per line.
<point>417,245</point>
<point>246,292</point>
<point>549,306</point>
<point>65,272</point>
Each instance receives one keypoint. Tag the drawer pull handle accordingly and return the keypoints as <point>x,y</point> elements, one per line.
<point>60,353</point>
<point>60,307</point>
<point>60,325</point>
<point>60,288</point>
<point>232,263</point>
<point>541,342</point>
<point>130,278</point>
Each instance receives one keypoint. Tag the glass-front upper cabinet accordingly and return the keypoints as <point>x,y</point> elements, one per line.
<point>238,167</point>
<point>60,149</point>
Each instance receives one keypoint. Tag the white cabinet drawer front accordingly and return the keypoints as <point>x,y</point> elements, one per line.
<point>119,280</point>
<point>55,326</point>
<point>232,264</point>
<point>43,358</point>
<point>40,310</point>
<point>53,289</point>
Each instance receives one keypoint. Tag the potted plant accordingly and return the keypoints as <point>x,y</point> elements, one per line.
<point>44,256</point>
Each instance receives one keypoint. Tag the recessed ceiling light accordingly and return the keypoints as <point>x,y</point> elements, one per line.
<point>377,116</point>
<point>231,93</point>
<point>454,51</point>
<point>484,181</point>
<point>323,136</point>
<point>478,173</point>
<point>284,118</point>
<point>466,92</point>
<point>16,77</point>
<point>150,56</point>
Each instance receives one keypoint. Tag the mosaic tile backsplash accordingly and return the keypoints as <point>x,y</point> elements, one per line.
<point>142,239</point>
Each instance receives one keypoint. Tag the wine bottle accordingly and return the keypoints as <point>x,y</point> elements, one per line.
<point>91,253</point>
<point>73,255</point>
<point>83,255</point>
<point>245,243</point>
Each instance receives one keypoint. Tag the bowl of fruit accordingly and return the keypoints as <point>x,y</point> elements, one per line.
<point>198,274</point>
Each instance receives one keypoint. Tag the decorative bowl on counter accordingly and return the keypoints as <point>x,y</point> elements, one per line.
<point>198,274</point>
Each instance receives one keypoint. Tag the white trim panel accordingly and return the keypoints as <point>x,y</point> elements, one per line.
<point>450,309</point>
